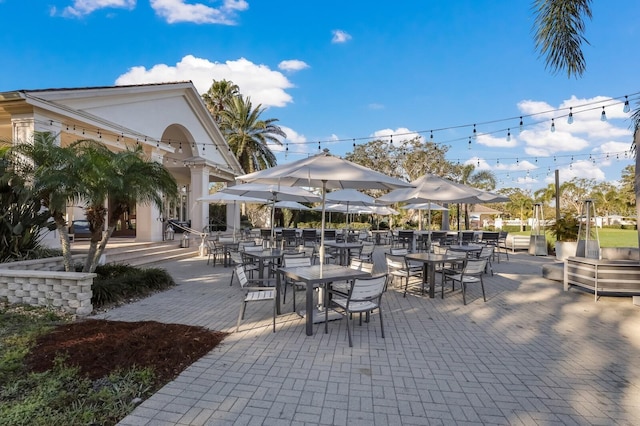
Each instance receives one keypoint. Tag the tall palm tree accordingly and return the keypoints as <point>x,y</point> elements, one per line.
<point>124,178</point>
<point>559,36</point>
<point>248,135</point>
<point>219,95</point>
<point>53,173</point>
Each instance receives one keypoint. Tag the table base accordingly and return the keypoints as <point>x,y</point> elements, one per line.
<point>318,315</point>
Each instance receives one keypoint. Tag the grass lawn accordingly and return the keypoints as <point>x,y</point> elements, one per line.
<point>608,237</point>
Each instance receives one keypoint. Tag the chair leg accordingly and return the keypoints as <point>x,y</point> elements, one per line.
<point>241,315</point>
<point>274,314</point>
<point>381,323</point>
<point>349,331</point>
<point>464,288</point>
<point>482,286</point>
<point>233,274</point>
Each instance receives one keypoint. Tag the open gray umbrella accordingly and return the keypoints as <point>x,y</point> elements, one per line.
<point>324,171</point>
<point>272,193</point>
<point>350,198</point>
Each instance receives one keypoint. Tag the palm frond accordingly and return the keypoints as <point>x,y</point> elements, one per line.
<point>559,33</point>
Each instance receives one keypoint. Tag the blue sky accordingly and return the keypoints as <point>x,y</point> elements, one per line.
<point>334,71</point>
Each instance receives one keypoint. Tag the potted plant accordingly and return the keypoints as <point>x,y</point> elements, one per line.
<point>566,232</point>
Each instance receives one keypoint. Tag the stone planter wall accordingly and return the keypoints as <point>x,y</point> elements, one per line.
<point>70,291</point>
<point>46,264</point>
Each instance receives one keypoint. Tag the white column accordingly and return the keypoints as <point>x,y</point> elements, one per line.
<point>199,212</point>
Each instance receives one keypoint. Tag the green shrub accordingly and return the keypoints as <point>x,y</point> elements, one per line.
<point>117,283</point>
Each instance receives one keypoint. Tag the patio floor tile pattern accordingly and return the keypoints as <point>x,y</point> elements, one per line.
<point>532,354</point>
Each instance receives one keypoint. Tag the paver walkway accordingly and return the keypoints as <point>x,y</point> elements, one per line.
<point>531,355</point>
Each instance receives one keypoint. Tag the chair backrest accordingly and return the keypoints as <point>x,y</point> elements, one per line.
<point>265,233</point>
<point>474,266</point>
<point>295,261</point>
<point>394,262</point>
<point>361,265</point>
<point>243,244</point>
<point>440,249</point>
<point>399,251</point>
<point>367,248</point>
<point>502,235</point>
<point>368,288</point>
<point>486,252</point>
<point>329,234</point>
<point>242,277</point>
<point>309,234</point>
<point>490,237</point>
<point>467,236</point>
<point>253,248</point>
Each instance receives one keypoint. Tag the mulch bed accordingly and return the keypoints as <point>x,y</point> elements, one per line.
<point>98,347</point>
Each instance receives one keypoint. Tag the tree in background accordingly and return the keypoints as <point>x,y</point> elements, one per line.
<point>559,35</point>
<point>219,96</point>
<point>248,135</point>
<point>467,174</point>
<point>520,202</point>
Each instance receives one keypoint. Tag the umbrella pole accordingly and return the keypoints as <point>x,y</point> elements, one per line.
<point>322,225</point>
<point>273,218</point>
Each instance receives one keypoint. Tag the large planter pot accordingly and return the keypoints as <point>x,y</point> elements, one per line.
<point>565,249</point>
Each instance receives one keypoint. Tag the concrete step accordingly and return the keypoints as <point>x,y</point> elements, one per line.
<point>147,254</point>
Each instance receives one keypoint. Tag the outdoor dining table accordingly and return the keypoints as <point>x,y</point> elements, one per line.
<point>345,250</point>
<point>316,276</point>
<point>429,262</point>
<point>227,246</point>
<point>266,254</point>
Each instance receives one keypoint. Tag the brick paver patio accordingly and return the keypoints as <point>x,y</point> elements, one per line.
<point>531,355</point>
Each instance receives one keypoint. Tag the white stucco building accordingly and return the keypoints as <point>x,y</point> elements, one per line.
<point>169,120</point>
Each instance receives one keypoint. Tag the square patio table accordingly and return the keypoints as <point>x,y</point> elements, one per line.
<point>429,262</point>
<point>316,276</point>
<point>266,254</point>
<point>345,250</point>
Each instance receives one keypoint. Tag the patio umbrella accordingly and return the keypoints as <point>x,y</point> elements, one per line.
<point>425,206</point>
<point>291,205</point>
<point>325,171</point>
<point>273,193</point>
<point>350,197</point>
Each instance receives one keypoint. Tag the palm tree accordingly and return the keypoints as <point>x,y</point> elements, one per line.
<point>124,178</point>
<point>248,135</point>
<point>219,95</point>
<point>559,35</point>
<point>53,173</point>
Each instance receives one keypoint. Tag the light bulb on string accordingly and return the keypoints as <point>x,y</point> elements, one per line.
<point>553,125</point>
<point>521,125</point>
<point>570,118</point>
<point>475,133</point>
<point>626,108</point>
<point>508,135</point>
<point>469,142</point>
<point>603,115</point>
<point>180,148</point>
<point>431,137</point>
<point>286,151</point>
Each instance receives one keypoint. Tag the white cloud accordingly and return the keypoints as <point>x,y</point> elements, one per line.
<point>586,130</point>
<point>85,7</point>
<point>478,163</point>
<point>580,169</point>
<point>263,85</point>
<point>494,142</point>
<point>517,166</point>
<point>292,65</point>
<point>179,11</point>
<point>614,148</point>
<point>340,36</point>
<point>400,134</point>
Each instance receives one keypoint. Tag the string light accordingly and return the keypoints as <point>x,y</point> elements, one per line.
<point>508,135</point>
<point>553,125</point>
<point>475,134</point>
<point>570,118</point>
<point>626,108</point>
<point>603,116</point>
<point>521,125</point>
